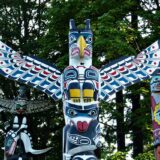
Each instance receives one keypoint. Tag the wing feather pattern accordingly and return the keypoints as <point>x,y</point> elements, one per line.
<point>31,71</point>
<point>126,71</point>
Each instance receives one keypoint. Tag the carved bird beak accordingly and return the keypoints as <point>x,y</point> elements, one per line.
<point>82,45</point>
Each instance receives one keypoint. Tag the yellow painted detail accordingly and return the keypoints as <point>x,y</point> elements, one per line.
<point>75,93</point>
<point>88,93</point>
<point>157,113</point>
<point>82,45</point>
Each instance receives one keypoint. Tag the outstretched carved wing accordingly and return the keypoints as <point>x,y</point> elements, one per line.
<point>126,71</point>
<point>38,106</point>
<point>31,71</point>
<point>7,105</point>
<point>31,106</point>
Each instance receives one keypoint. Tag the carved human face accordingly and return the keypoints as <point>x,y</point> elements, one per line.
<point>84,157</point>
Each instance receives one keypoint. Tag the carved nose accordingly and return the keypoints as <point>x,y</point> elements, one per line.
<point>82,126</point>
<point>82,45</point>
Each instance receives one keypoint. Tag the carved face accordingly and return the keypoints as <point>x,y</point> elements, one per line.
<point>81,118</point>
<point>81,87</point>
<point>155,84</point>
<point>21,106</point>
<point>84,157</point>
<point>80,45</point>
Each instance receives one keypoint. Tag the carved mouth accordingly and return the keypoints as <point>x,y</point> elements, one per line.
<point>82,126</point>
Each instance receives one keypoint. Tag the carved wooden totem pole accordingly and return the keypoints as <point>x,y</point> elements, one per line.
<point>155,108</point>
<point>81,86</point>
<point>17,133</point>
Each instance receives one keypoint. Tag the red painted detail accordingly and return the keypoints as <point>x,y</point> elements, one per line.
<point>37,69</point>
<point>54,77</point>
<point>20,111</point>
<point>46,73</point>
<point>81,67</point>
<point>1,62</point>
<point>122,69</point>
<point>113,73</point>
<point>2,46</point>
<point>105,77</point>
<point>69,67</point>
<point>129,66</point>
<point>156,55</point>
<point>28,65</point>
<point>153,102</point>
<point>0,54</point>
<point>82,126</point>
<point>150,70</point>
<point>65,84</point>
<point>155,63</point>
<point>97,85</point>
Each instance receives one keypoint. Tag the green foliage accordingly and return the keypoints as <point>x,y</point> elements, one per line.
<point>42,29</point>
<point>146,156</point>
<point>116,156</point>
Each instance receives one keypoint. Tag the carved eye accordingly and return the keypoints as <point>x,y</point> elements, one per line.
<point>93,112</point>
<point>89,39</point>
<point>72,38</point>
<point>78,158</point>
<point>72,112</point>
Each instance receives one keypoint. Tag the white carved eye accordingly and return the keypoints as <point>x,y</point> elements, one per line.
<point>89,39</point>
<point>93,112</point>
<point>72,38</point>
<point>72,112</point>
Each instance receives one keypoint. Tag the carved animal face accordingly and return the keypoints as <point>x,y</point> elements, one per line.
<point>81,85</point>
<point>155,84</point>
<point>81,118</point>
<point>21,106</point>
<point>80,44</point>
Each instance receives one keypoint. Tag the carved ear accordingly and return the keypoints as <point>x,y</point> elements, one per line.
<point>72,24</point>
<point>88,26</point>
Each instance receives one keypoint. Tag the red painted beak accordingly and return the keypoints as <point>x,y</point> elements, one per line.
<point>82,126</point>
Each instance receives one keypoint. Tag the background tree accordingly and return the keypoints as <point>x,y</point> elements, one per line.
<point>121,28</point>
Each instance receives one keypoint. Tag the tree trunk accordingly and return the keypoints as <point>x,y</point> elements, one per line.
<point>136,130</point>
<point>120,122</point>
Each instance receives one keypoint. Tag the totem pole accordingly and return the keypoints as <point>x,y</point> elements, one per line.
<point>155,108</point>
<point>80,86</point>
<point>17,132</point>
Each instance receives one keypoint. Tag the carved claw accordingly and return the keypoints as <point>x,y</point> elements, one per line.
<point>28,147</point>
